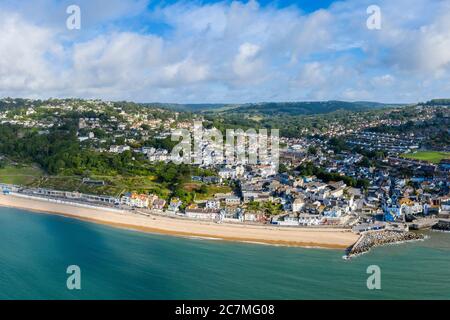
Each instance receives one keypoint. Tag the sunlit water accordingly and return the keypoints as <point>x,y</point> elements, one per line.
<point>35,250</point>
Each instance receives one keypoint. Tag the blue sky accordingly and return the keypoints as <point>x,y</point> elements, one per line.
<point>226,51</point>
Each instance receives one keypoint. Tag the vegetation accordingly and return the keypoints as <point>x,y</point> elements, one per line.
<point>269,207</point>
<point>65,163</point>
<point>308,169</point>
<point>204,192</point>
<point>429,156</point>
<point>19,175</point>
<point>277,108</point>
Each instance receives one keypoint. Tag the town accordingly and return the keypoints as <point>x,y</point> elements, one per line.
<point>372,171</point>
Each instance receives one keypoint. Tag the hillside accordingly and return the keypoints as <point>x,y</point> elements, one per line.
<point>278,108</point>
<point>305,108</point>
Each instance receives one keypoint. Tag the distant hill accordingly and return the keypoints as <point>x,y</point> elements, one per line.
<point>306,108</point>
<point>186,107</point>
<point>263,108</point>
<point>438,102</point>
<point>279,108</point>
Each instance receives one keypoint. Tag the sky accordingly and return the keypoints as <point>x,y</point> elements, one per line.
<point>226,51</point>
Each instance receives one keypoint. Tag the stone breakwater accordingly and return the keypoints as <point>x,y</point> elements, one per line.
<point>442,225</point>
<point>372,239</point>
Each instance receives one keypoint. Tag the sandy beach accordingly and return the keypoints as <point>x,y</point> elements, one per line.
<point>325,238</point>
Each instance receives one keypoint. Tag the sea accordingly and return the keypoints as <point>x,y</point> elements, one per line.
<point>52,257</point>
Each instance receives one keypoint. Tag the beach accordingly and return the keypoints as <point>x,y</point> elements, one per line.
<point>302,237</point>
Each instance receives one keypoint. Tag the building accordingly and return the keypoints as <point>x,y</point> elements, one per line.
<point>298,204</point>
<point>137,200</point>
<point>175,204</point>
<point>203,214</point>
<point>118,149</point>
<point>227,173</point>
<point>306,219</point>
<point>232,201</point>
<point>213,204</point>
<point>159,204</point>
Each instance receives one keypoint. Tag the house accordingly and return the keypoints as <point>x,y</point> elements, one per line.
<point>333,212</point>
<point>298,204</point>
<point>430,209</point>
<point>93,182</point>
<point>407,206</point>
<point>336,193</point>
<point>306,219</point>
<point>266,170</point>
<point>391,212</point>
<point>227,173</point>
<point>203,214</point>
<point>444,165</point>
<point>258,196</point>
<point>212,180</point>
<point>288,220</point>
<point>240,170</point>
<point>232,215</point>
<point>118,149</point>
<point>314,186</point>
<point>232,201</point>
<point>159,204</point>
<point>254,217</point>
<point>298,182</point>
<point>137,200</point>
<point>337,184</point>
<point>212,204</point>
<point>174,204</point>
<point>445,204</point>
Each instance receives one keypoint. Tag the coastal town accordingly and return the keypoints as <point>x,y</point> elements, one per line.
<point>353,175</point>
<point>229,159</point>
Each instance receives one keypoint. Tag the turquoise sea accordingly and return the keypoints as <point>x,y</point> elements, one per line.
<point>36,249</point>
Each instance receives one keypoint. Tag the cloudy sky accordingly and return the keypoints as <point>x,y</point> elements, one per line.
<point>226,51</point>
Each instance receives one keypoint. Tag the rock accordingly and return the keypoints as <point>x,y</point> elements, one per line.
<point>442,225</point>
<point>377,238</point>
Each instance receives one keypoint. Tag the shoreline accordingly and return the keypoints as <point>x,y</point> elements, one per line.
<point>269,235</point>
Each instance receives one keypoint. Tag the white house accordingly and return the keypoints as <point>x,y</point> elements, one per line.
<point>203,214</point>
<point>298,204</point>
<point>213,204</point>
<point>232,201</point>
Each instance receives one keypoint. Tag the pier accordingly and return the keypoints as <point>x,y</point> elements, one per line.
<point>424,223</point>
<point>372,239</point>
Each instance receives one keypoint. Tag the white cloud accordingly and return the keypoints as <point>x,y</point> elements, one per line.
<point>383,80</point>
<point>26,52</point>
<point>226,52</point>
<point>246,62</point>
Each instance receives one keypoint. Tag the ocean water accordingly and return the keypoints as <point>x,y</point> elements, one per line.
<point>36,249</point>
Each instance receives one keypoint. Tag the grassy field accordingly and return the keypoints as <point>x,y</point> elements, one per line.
<point>114,185</point>
<point>211,190</point>
<point>430,156</point>
<point>20,175</point>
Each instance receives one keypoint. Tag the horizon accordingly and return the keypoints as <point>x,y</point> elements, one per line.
<point>222,103</point>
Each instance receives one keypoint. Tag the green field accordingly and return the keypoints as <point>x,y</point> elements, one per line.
<point>430,156</point>
<point>114,185</point>
<point>210,191</point>
<point>32,176</point>
<point>20,175</point>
